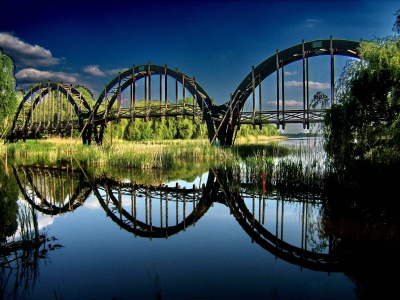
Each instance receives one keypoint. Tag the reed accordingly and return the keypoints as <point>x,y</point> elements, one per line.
<point>145,156</point>
<point>28,226</point>
<point>291,168</point>
<point>282,165</point>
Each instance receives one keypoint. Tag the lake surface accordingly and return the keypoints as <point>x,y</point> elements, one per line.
<point>207,238</point>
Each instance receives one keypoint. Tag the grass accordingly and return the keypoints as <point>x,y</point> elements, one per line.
<point>285,166</point>
<point>149,155</point>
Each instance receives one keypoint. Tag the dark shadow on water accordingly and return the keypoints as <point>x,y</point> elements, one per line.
<point>358,221</point>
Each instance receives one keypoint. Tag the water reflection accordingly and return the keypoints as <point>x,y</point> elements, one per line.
<point>161,211</point>
<point>307,230</point>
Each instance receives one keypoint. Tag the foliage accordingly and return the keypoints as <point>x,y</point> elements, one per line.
<point>248,130</point>
<point>366,115</point>
<point>185,129</point>
<point>8,99</point>
<point>8,204</point>
<point>319,101</point>
<point>87,95</point>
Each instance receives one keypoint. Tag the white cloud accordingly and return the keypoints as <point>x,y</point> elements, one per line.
<point>291,73</point>
<point>311,85</point>
<point>114,71</point>
<point>289,104</point>
<point>29,77</point>
<point>26,55</point>
<point>94,70</point>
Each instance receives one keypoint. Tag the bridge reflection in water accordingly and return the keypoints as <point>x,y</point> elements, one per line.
<point>161,211</point>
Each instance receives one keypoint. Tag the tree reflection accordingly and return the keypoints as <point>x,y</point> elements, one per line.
<point>353,230</point>
<point>8,205</point>
<point>22,245</point>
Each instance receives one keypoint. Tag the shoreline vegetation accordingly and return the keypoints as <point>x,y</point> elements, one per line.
<point>303,166</point>
<point>157,161</point>
<point>261,163</point>
<point>144,155</point>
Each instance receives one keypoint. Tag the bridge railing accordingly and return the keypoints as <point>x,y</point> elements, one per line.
<point>148,112</point>
<point>294,116</point>
<point>45,127</point>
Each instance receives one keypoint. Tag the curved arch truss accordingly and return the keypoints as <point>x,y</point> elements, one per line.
<point>250,92</point>
<point>145,92</point>
<point>49,109</point>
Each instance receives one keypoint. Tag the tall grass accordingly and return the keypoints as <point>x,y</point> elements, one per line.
<point>294,168</point>
<point>28,225</point>
<point>286,166</point>
<point>149,155</point>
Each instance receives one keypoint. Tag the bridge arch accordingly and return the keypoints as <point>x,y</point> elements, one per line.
<point>49,107</point>
<point>113,105</point>
<point>233,109</point>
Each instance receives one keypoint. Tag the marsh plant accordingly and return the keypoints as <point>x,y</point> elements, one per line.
<point>138,155</point>
<point>20,255</point>
<point>299,167</point>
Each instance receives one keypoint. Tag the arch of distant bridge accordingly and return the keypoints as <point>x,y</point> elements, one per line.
<point>222,120</point>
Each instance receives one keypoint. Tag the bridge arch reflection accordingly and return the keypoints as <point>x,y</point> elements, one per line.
<point>114,196</point>
<point>161,211</point>
<point>52,191</point>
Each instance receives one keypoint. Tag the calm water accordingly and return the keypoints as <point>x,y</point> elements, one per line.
<point>205,238</point>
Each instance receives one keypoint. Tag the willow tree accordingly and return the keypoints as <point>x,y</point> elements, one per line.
<point>8,99</point>
<point>365,120</point>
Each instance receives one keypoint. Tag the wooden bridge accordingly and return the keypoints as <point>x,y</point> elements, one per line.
<point>152,91</point>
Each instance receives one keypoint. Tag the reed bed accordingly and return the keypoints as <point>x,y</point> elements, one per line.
<point>144,156</point>
<point>296,167</point>
<point>293,168</point>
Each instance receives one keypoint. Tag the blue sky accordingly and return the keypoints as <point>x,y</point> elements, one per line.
<point>216,42</point>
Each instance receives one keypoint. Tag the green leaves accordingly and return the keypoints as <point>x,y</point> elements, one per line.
<point>8,99</point>
<point>368,97</point>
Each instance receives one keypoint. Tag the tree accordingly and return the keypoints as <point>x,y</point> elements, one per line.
<point>8,99</point>
<point>87,94</point>
<point>319,101</point>
<point>363,122</point>
<point>8,205</point>
<point>185,129</point>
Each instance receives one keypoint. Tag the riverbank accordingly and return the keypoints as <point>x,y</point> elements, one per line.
<point>162,154</point>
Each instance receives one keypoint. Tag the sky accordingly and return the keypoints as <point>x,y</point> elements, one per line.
<point>216,42</point>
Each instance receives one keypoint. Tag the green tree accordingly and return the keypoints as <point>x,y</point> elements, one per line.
<point>319,101</point>
<point>364,120</point>
<point>185,129</point>
<point>87,94</point>
<point>8,205</point>
<point>8,99</point>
